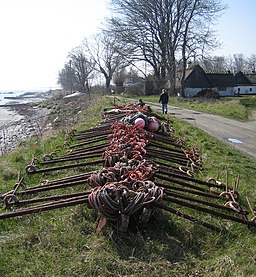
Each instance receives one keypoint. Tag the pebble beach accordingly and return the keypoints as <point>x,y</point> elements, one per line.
<point>21,119</point>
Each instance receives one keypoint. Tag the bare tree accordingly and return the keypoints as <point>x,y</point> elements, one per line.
<point>143,27</point>
<point>239,62</point>
<point>215,63</point>
<point>67,77</point>
<point>161,31</point>
<point>233,63</point>
<point>119,77</point>
<point>76,72</point>
<point>106,53</point>
<point>251,63</point>
<point>197,36</point>
<point>83,68</point>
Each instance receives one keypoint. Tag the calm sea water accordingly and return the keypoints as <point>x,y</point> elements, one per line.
<point>4,94</point>
<point>7,116</point>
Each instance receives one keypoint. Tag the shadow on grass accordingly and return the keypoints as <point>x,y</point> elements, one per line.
<point>161,238</point>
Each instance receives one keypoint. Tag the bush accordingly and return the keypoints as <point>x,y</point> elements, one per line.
<point>248,101</point>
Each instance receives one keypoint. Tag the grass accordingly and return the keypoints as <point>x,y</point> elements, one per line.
<point>63,243</point>
<point>237,108</point>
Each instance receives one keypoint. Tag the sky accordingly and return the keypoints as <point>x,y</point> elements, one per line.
<point>237,28</point>
<point>37,35</point>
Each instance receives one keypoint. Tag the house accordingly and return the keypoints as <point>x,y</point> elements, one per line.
<point>252,78</point>
<point>222,82</point>
<point>245,83</point>
<point>196,80</point>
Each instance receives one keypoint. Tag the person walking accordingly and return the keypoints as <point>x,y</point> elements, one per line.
<point>164,98</point>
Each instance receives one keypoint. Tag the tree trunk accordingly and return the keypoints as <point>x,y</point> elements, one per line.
<point>108,80</point>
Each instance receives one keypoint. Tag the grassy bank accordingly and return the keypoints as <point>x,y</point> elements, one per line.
<point>63,242</point>
<point>237,108</point>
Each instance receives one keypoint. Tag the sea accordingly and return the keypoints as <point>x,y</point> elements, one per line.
<point>9,97</point>
<point>21,96</point>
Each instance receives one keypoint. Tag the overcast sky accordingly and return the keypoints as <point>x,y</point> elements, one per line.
<point>37,35</point>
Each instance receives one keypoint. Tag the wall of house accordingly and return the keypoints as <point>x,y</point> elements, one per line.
<point>245,90</point>
<point>190,92</point>
<point>229,91</point>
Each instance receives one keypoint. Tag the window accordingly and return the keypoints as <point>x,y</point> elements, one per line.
<point>250,89</point>
<point>222,89</point>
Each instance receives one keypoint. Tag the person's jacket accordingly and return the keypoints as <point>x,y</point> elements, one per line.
<point>164,98</point>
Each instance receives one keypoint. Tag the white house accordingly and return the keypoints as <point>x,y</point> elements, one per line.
<point>245,83</point>
<point>197,79</point>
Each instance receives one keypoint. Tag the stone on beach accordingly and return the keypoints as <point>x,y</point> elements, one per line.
<point>19,122</point>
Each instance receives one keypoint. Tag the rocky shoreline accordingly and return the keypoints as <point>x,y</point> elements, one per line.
<point>31,122</point>
<point>57,111</point>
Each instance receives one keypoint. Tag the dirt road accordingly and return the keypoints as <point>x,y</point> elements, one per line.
<point>239,135</point>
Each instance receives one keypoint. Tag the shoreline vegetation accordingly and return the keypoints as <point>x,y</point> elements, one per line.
<point>63,242</point>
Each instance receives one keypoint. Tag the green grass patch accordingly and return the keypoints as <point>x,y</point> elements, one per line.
<point>249,102</point>
<point>237,108</point>
<point>63,243</point>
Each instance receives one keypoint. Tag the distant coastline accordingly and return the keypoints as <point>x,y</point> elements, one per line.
<point>24,90</point>
<point>9,104</point>
<point>23,96</point>
<point>6,92</point>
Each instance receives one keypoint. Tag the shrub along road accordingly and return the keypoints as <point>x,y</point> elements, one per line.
<point>240,135</point>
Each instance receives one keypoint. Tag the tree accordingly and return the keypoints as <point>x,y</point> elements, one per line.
<point>78,72</point>
<point>105,51</point>
<point>160,32</point>
<point>215,63</point>
<point>239,62</point>
<point>141,26</point>
<point>83,68</point>
<point>119,77</point>
<point>196,37</point>
<point>67,77</point>
<point>233,63</point>
<point>251,64</point>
